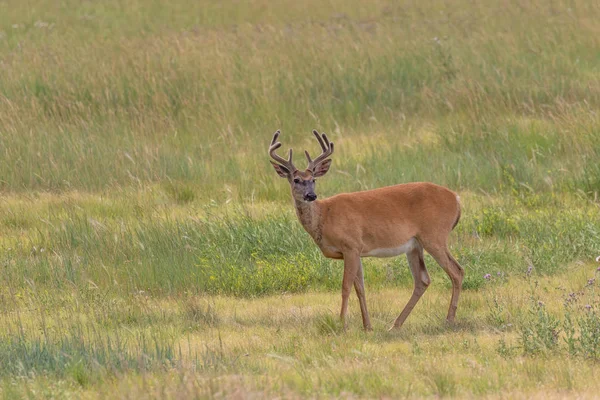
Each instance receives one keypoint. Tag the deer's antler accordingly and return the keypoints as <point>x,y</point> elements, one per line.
<point>326,150</point>
<point>287,164</point>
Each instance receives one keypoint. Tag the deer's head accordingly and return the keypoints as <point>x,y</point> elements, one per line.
<point>302,182</point>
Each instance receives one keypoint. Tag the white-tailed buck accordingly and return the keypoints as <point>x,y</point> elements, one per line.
<point>384,222</point>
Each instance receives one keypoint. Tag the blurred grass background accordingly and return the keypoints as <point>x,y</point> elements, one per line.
<point>98,95</point>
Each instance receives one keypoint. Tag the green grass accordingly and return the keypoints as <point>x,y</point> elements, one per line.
<point>125,247</point>
<point>147,249</point>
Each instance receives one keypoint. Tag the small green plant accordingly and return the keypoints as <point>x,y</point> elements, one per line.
<point>589,322</point>
<point>589,328</point>
<point>504,349</point>
<point>497,313</point>
<point>539,332</point>
<point>582,322</point>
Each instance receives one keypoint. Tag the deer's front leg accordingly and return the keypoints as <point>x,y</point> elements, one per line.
<point>359,286</point>
<point>351,266</point>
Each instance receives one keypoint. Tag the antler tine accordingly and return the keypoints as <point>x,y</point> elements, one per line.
<point>326,147</point>
<point>274,146</point>
<point>275,136</point>
<point>318,136</point>
<point>308,156</point>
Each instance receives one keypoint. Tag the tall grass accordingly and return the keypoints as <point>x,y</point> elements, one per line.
<point>240,253</point>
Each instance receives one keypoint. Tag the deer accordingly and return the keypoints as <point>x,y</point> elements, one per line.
<point>407,218</point>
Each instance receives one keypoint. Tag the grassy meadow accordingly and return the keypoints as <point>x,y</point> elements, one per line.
<point>149,250</point>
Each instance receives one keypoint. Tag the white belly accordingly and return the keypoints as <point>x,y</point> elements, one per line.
<point>392,251</point>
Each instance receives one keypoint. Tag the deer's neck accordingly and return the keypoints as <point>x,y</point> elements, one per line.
<point>310,216</point>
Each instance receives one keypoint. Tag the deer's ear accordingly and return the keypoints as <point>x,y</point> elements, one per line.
<point>322,168</point>
<point>281,170</point>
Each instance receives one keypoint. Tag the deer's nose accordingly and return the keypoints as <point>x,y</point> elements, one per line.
<point>310,197</point>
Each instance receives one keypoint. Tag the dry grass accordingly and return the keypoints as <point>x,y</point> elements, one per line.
<point>276,346</point>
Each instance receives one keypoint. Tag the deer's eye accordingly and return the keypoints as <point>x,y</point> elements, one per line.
<point>296,180</point>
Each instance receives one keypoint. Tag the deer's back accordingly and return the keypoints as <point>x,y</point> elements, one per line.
<point>389,217</point>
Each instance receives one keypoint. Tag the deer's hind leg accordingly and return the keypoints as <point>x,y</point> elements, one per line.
<point>416,262</point>
<point>442,255</point>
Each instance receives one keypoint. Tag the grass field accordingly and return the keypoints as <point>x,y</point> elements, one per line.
<point>148,250</point>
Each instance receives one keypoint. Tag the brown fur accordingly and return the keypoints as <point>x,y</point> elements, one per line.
<point>382,218</point>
